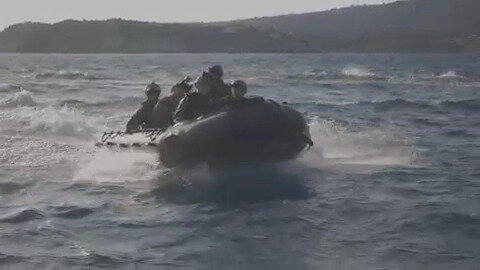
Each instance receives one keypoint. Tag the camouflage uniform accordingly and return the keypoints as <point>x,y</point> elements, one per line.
<point>192,106</point>
<point>162,115</point>
<point>142,118</point>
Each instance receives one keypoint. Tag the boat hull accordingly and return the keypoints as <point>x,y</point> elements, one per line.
<point>257,132</point>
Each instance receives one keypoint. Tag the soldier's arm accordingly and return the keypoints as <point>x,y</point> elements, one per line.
<point>137,120</point>
<point>180,113</point>
<point>188,108</point>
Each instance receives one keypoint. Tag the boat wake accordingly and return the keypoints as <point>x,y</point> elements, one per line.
<point>340,147</point>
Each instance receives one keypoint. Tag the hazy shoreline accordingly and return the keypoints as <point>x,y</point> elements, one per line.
<point>427,26</point>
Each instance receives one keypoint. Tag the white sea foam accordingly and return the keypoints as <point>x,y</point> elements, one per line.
<point>63,74</point>
<point>310,74</point>
<point>18,99</point>
<point>64,122</point>
<point>111,166</point>
<point>356,72</point>
<point>451,74</point>
<point>336,145</point>
<point>34,152</point>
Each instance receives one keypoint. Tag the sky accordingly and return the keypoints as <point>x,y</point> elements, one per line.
<point>50,11</point>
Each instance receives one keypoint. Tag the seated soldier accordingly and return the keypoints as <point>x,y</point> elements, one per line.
<point>162,115</point>
<point>239,89</point>
<point>220,89</point>
<point>142,118</point>
<point>197,103</point>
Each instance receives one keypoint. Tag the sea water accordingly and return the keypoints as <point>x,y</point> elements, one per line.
<point>393,181</point>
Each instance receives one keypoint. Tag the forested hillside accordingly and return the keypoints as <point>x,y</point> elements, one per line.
<point>404,26</point>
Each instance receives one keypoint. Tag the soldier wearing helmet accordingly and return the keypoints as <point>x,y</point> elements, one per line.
<point>235,100</point>
<point>216,70</point>
<point>220,89</point>
<point>197,103</point>
<point>239,88</point>
<point>142,118</point>
<point>162,115</point>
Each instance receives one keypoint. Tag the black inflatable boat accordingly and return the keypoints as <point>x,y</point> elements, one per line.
<point>255,130</point>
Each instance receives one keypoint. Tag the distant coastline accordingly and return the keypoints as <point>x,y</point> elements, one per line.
<point>415,26</point>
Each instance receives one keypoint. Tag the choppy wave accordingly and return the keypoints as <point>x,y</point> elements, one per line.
<point>380,106</point>
<point>23,70</point>
<point>398,104</point>
<point>456,222</point>
<point>21,216</point>
<point>54,121</point>
<point>458,133</point>
<point>71,212</point>
<point>66,75</point>
<point>22,98</point>
<point>451,74</point>
<point>70,102</point>
<point>6,87</point>
<point>469,104</point>
<point>356,72</point>
<point>360,74</point>
<point>348,72</point>
<point>125,102</point>
<point>403,104</point>
<point>309,74</point>
<point>13,186</point>
<point>118,102</point>
<point>63,121</point>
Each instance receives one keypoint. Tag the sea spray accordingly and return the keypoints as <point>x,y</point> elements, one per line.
<point>356,72</point>
<point>105,165</point>
<point>338,144</point>
<point>63,122</point>
<point>64,74</point>
<point>18,99</point>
